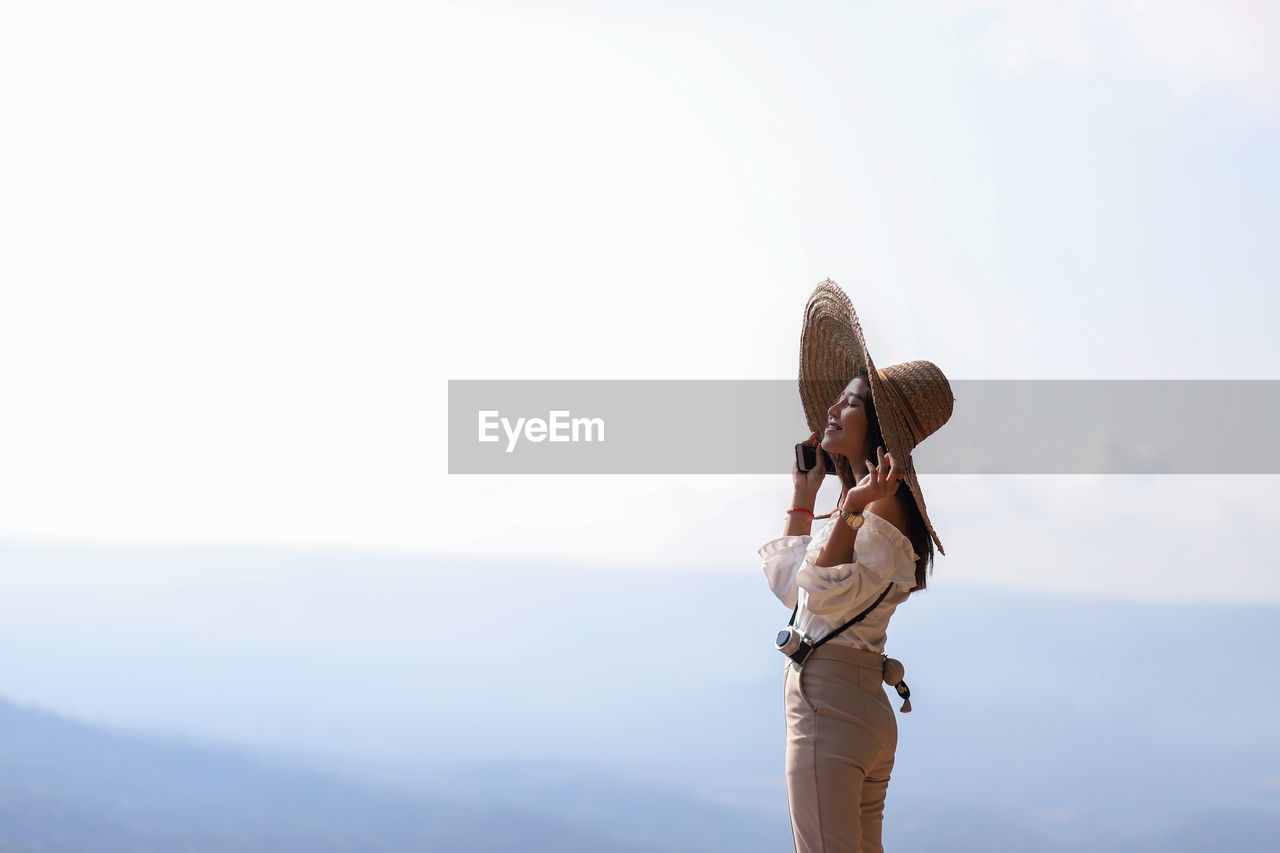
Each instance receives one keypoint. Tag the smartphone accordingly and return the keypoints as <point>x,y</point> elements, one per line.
<point>807,458</point>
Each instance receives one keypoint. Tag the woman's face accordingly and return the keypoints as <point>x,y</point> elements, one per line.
<point>846,431</point>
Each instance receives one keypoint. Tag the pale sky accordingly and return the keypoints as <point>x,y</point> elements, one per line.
<point>249,244</point>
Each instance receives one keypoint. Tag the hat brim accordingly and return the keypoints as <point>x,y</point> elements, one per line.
<point>833,351</point>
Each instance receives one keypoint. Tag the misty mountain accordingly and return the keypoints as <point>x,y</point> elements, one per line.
<point>66,786</point>
<point>644,707</point>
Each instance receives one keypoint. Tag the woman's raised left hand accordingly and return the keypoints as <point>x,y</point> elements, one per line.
<point>880,481</point>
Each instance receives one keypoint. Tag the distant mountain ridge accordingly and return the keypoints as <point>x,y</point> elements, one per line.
<point>602,708</point>
<point>66,787</point>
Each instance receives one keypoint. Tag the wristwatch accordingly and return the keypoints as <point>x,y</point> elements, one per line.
<point>853,519</point>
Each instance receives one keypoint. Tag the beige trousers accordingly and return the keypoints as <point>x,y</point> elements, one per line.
<point>841,739</point>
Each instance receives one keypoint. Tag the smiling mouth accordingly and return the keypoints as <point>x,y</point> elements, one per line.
<point>832,426</point>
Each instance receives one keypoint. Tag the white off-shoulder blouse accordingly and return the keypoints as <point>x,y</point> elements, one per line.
<point>832,595</point>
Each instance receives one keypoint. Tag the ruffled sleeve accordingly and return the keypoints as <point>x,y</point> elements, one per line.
<point>782,558</point>
<point>882,554</point>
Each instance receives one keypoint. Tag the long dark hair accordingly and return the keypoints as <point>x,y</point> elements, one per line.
<point>918,535</point>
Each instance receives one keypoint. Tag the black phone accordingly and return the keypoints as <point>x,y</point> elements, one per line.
<point>807,458</point>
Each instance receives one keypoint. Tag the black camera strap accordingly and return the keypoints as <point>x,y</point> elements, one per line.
<point>852,621</point>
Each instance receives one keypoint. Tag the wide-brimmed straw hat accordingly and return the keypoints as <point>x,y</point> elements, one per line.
<point>912,400</point>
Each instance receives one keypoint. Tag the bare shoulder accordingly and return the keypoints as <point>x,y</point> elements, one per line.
<point>892,511</point>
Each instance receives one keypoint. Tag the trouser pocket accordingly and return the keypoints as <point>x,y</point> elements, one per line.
<point>801,688</point>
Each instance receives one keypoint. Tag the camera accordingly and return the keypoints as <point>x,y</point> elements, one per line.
<point>792,643</point>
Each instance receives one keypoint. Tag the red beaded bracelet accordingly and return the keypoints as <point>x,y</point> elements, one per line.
<point>801,509</point>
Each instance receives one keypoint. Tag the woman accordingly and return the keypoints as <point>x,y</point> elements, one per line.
<point>876,549</point>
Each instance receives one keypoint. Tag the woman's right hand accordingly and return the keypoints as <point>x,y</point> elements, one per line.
<point>808,482</point>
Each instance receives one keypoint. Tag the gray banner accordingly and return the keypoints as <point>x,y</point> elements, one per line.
<point>678,427</point>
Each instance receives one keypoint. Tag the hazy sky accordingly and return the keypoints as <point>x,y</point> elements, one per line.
<point>249,243</point>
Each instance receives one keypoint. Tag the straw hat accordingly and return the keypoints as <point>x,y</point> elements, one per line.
<point>912,400</point>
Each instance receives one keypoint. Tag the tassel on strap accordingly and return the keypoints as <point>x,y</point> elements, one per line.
<point>905,692</point>
<point>893,672</point>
